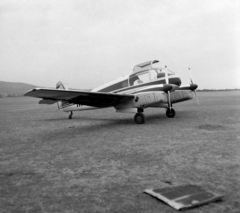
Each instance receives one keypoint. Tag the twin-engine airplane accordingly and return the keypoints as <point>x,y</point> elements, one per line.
<point>145,87</point>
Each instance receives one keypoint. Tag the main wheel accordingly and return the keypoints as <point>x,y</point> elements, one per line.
<point>70,116</point>
<point>139,118</point>
<point>170,113</point>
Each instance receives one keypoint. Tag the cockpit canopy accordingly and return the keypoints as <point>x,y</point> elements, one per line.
<point>148,75</point>
<point>142,73</point>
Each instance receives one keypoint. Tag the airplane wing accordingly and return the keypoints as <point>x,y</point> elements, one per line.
<point>95,99</point>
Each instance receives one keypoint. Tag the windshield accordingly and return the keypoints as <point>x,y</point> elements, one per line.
<point>163,70</point>
<point>146,76</point>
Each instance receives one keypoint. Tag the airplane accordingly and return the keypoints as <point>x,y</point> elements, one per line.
<point>145,87</point>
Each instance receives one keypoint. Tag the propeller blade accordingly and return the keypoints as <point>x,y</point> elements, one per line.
<point>169,100</point>
<point>196,97</point>
<point>167,82</point>
<point>166,76</point>
<point>191,80</point>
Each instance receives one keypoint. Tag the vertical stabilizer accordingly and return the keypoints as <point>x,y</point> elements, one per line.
<point>60,85</point>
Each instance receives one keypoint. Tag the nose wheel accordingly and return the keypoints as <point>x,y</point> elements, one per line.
<point>170,113</point>
<point>139,118</point>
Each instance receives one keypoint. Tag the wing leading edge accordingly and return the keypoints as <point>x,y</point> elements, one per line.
<point>95,99</point>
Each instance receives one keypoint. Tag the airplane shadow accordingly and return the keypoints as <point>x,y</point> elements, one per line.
<point>116,120</point>
<point>71,127</point>
<point>84,124</point>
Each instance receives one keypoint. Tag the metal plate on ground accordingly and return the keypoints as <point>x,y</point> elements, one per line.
<point>186,196</point>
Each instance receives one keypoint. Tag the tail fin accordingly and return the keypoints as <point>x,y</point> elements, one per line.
<point>62,104</point>
<point>60,85</point>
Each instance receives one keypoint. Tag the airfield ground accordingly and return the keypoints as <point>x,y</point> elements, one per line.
<point>101,161</point>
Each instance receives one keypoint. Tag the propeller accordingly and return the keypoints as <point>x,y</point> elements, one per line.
<point>194,86</point>
<point>168,92</point>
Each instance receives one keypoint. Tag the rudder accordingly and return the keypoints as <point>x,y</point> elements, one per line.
<point>60,85</point>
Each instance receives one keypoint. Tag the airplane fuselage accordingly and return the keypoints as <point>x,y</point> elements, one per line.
<point>147,91</point>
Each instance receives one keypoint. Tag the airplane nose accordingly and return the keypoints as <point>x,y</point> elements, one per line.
<point>179,82</point>
<point>176,81</point>
<point>193,87</point>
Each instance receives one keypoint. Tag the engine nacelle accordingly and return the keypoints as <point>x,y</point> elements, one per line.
<point>152,99</point>
<point>142,100</point>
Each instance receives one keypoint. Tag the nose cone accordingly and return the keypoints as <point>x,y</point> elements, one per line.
<point>193,87</point>
<point>175,81</point>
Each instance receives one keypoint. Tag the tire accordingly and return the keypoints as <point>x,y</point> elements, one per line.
<point>139,118</point>
<point>70,116</point>
<point>170,113</point>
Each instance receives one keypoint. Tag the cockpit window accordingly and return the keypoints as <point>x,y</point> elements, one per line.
<point>139,78</point>
<point>146,76</point>
<point>125,83</point>
<point>161,72</point>
<point>153,74</point>
<point>170,72</point>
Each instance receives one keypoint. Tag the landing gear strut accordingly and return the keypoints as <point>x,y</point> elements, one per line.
<point>139,118</point>
<point>70,116</point>
<point>170,113</point>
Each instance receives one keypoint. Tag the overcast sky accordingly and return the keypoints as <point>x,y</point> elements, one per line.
<point>86,43</point>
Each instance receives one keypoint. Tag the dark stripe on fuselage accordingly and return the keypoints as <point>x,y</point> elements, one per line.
<point>175,81</point>
<point>120,86</point>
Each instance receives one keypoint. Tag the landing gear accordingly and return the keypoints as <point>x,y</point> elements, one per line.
<point>70,116</point>
<point>170,113</point>
<point>139,118</point>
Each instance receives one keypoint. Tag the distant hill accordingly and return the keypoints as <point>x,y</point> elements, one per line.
<point>9,89</point>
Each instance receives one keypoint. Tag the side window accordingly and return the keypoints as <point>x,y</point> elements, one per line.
<point>125,83</point>
<point>153,75</point>
<point>170,72</point>
<point>133,80</point>
<point>143,78</point>
<point>161,75</point>
<point>139,78</point>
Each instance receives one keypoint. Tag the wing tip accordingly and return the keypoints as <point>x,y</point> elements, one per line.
<point>32,90</point>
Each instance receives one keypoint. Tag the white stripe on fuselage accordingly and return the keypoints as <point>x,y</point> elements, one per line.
<point>128,90</point>
<point>78,107</point>
<point>142,89</point>
<point>144,86</point>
